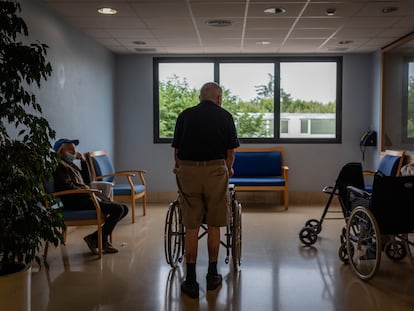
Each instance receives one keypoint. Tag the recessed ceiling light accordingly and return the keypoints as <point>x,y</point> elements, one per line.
<point>219,23</point>
<point>343,42</point>
<point>389,9</point>
<point>107,11</point>
<point>330,12</point>
<point>263,42</point>
<point>274,10</point>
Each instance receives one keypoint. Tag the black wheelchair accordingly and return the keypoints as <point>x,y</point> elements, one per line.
<point>381,221</point>
<point>174,233</point>
<point>351,174</point>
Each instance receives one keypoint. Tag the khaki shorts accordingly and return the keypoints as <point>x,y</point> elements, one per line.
<point>203,193</point>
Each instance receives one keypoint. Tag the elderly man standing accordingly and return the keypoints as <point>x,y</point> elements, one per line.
<point>204,141</point>
<point>69,176</point>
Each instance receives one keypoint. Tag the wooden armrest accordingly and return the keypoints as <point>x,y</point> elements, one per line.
<point>129,174</point>
<point>100,182</point>
<point>368,173</point>
<point>116,174</point>
<point>76,191</point>
<point>133,171</point>
<point>91,193</point>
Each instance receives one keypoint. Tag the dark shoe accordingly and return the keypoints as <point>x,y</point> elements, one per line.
<point>190,288</point>
<point>213,281</point>
<point>92,243</point>
<point>109,249</point>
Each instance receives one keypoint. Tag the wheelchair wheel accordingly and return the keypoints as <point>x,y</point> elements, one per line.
<point>174,235</point>
<point>409,246</point>
<point>308,236</point>
<point>363,243</point>
<point>343,253</point>
<point>236,235</point>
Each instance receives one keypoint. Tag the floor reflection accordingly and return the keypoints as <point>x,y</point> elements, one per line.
<point>277,272</point>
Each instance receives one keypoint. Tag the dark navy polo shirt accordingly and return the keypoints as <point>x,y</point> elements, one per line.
<point>204,132</point>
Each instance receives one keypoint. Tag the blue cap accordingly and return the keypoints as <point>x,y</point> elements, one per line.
<point>62,141</point>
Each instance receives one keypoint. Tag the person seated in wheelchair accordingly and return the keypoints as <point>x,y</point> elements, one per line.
<point>204,141</point>
<point>69,176</point>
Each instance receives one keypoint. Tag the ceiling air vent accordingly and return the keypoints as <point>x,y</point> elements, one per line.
<point>145,50</point>
<point>219,23</point>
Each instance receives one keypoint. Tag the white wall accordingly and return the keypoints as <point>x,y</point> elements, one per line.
<point>107,102</point>
<point>78,98</point>
<point>311,166</point>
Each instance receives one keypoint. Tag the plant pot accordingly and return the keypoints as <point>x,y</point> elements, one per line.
<point>15,288</point>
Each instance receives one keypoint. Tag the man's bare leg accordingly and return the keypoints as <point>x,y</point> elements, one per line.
<point>213,244</point>
<point>190,285</point>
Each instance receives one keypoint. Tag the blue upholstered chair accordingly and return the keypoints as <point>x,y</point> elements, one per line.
<point>390,165</point>
<point>261,169</point>
<point>78,217</point>
<point>102,169</point>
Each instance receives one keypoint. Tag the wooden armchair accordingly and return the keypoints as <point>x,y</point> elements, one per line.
<point>77,218</point>
<point>102,169</point>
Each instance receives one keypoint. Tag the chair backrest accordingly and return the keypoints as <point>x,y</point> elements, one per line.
<point>392,203</point>
<point>391,162</point>
<point>256,162</point>
<point>101,165</point>
<point>351,174</point>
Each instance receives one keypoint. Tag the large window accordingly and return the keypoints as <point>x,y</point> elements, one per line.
<point>408,95</point>
<point>272,100</point>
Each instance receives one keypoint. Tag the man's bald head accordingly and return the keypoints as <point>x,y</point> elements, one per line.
<point>211,91</point>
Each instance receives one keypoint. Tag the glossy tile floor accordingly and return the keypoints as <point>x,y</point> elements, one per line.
<point>277,271</point>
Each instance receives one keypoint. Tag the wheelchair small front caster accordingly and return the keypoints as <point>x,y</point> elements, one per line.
<point>308,236</point>
<point>395,250</point>
<point>315,225</point>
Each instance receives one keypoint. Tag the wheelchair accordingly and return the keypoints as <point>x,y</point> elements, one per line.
<point>351,174</point>
<point>174,233</point>
<point>381,221</point>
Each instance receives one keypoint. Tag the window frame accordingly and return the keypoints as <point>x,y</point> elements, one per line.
<point>276,60</point>
<point>405,80</point>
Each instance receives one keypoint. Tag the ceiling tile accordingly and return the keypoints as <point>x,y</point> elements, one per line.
<point>180,26</point>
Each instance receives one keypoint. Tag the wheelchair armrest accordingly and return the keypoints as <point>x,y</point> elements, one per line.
<point>328,189</point>
<point>358,192</point>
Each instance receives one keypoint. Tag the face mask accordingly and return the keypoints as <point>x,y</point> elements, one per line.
<point>70,157</point>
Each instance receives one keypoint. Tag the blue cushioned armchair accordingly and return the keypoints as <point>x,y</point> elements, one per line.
<point>78,218</point>
<point>390,165</point>
<point>102,169</point>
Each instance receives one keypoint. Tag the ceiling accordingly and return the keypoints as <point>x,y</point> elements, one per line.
<point>180,26</point>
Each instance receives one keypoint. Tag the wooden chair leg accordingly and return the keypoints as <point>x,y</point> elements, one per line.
<point>133,208</point>
<point>100,244</point>
<point>286,199</point>
<point>144,204</point>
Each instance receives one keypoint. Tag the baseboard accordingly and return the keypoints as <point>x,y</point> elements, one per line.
<point>295,197</point>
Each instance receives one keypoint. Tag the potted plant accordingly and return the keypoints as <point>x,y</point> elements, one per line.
<point>25,151</point>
